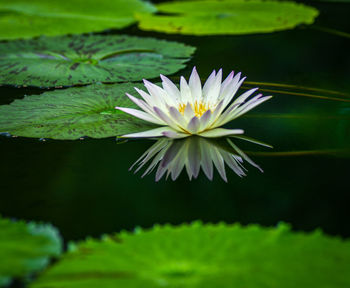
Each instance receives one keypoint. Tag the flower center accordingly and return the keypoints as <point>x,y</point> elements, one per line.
<point>199,108</point>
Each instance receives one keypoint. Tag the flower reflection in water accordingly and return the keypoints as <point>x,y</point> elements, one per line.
<point>193,153</point>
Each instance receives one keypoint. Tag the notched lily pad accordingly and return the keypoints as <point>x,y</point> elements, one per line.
<point>208,17</point>
<point>69,60</point>
<point>206,256</point>
<point>25,19</point>
<point>72,113</point>
<point>25,248</point>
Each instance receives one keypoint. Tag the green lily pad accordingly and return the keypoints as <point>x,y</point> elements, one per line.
<point>69,60</point>
<point>72,113</point>
<point>25,248</point>
<point>199,255</point>
<point>208,17</point>
<point>26,19</point>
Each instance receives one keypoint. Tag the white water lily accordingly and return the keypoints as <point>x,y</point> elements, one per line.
<point>193,110</point>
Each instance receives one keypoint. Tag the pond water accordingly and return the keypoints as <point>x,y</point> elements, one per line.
<point>84,187</point>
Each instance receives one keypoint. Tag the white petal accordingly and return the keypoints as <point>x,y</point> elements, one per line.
<point>170,88</point>
<point>231,162</point>
<point>188,113</point>
<point>231,91</point>
<point>152,151</point>
<point>204,120</point>
<point>220,132</point>
<point>225,117</point>
<point>195,85</point>
<point>218,162</point>
<point>229,87</point>
<point>142,104</point>
<point>244,156</point>
<point>160,113</point>
<point>142,115</point>
<point>185,91</point>
<point>213,92</point>
<point>216,113</point>
<point>249,106</point>
<point>206,161</point>
<point>208,84</point>
<point>157,132</point>
<point>193,125</point>
<point>244,96</point>
<point>193,157</point>
<point>157,93</point>
<point>226,82</point>
<point>148,98</point>
<point>175,134</point>
<point>177,116</point>
<point>157,159</point>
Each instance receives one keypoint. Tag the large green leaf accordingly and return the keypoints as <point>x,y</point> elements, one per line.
<point>72,113</point>
<point>204,256</point>
<point>207,17</point>
<point>24,19</point>
<point>69,60</point>
<point>25,248</point>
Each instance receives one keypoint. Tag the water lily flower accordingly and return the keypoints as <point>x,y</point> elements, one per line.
<point>193,153</point>
<point>193,109</point>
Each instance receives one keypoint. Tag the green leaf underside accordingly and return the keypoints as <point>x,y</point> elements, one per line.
<point>73,113</point>
<point>26,19</point>
<point>69,60</point>
<point>25,248</point>
<point>207,17</point>
<point>204,256</point>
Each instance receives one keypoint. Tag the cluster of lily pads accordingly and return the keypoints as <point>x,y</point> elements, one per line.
<point>79,60</point>
<point>189,255</point>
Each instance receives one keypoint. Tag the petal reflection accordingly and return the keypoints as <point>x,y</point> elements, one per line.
<point>195,153</point>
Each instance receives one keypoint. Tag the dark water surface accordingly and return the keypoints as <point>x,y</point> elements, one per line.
<point>84,187</point>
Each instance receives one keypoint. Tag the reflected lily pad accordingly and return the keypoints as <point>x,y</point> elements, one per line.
<point>196,255</point>
<point>25,19</point>
<point>25,248</point>
<point>193,154</point>
<point>207,17</point>
<point>72,113</point>
<point>69,60</point>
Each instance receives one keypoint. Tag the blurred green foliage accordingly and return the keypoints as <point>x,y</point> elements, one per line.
<point>25,248</point>
<point>197,255</point>
<point>210,17</point>
<point>26,19</point>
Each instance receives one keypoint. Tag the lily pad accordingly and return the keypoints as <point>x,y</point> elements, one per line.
<point>69,60</point>
<point>72,113</point>
<point>208,17</point>
<point>199,255</point>
<point>25,248</point>
<point>26,19</point>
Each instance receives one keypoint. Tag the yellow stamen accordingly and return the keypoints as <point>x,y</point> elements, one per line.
<point>199,108</point>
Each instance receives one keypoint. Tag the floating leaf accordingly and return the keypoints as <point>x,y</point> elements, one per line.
<point>56,61</point>
<point>25,19</point>
<point>207,17</point>
<point>72,113</point>
<point>25,248</point>
<point>204,256</point>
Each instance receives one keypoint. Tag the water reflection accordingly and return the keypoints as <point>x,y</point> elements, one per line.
<point>193,153</point>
